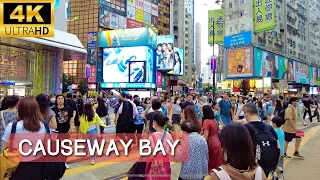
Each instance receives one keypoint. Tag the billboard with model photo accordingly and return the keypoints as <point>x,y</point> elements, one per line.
<point>165,52</point>
<point>178,63</point>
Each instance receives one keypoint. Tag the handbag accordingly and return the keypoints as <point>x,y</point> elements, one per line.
<point>9,166</point>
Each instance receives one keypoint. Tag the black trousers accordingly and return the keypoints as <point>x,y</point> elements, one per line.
<point>316,114</point>
<point>309,113</point>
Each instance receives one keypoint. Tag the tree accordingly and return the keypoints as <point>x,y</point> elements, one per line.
<point>66,81</point>
<point>83,87</point>
<point>244,87</point>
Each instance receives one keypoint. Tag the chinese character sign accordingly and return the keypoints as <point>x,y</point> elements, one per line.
<point>215,26</point>
<point>264,15</point>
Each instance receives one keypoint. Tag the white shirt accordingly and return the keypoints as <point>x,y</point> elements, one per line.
<point>239,107</point>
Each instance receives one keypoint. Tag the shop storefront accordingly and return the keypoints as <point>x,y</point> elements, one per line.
<point>34,65</point>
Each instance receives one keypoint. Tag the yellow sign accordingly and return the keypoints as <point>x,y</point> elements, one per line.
<point>32,18</point>
<point>239,63</point>
<point>139,15</point>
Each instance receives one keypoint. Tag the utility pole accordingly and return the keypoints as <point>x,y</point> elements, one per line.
<point>214,68</point>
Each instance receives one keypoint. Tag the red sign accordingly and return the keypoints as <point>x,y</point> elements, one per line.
<point>133,24</point>
<point>93,74</point>
<point>159,79</point>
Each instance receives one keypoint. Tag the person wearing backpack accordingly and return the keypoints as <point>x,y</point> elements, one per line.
<point>264,138</point>
<point>290,128</point>
<point>226,110</point>
<point>239,160</point>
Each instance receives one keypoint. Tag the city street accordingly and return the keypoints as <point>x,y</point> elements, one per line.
<point>295,169</point>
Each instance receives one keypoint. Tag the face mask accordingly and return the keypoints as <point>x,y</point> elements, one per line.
<point>52,100</point>
<point>178,102</point>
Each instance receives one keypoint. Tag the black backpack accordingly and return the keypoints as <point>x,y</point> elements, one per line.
<point>282,113</point>
<point>265,147</point>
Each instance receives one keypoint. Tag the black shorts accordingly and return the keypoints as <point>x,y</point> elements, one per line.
<point>289,136</point>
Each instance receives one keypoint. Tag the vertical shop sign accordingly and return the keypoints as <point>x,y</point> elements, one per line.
<point>114,21</point>
<point>264,18</point>
<point>91,46</point>
<point>154,21</point>
<point>159,79</point>
<point>93,72</point>
<point>216,26</point>
<point>139,4</point>
<point>139,15</point>
<point>147,18</point>
<point>131,12</point>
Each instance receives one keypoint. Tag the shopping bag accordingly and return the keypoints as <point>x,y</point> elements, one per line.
<point>10,158</point>
<point>300,133</point>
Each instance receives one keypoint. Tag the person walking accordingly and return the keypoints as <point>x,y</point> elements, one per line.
<point>238,160</point>
<point>192,151</point>
<point>9,114</point>
<point>290,128</point>
<point>48,115</point>
<point>176,111</point>
<point>210,133</point>
<point>90,124</point>
<point>226,110</point>
<point>102,111</point>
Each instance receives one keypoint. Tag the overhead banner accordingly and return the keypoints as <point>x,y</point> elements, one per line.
<point>264,18</point>
<point>165,52</point>
<point>178,66</point>
<point>127,37</point>
<point>239,63</point>
<point>91,46</point>
<point>216,26</point>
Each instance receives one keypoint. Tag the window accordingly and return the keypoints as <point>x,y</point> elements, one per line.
<point>230,29</point>
<point>230,5</point>
<point>242,29</point>
<point>230,17</point>
<point>241,1</point>
<point>241,13</point>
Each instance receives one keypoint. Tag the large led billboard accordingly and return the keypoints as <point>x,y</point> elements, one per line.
<point>178,63</point>
<point>126,65</point>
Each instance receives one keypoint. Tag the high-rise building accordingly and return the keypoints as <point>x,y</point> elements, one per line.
<point>183,29</point>
<point>198,51</point>
<point>296,34</point>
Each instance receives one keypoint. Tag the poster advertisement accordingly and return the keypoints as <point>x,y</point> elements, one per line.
<point>270,65</point>
<point>122,22</point>
<point>92,57</point>
<point>131,3</point>
<point>302,73</point>
<point>93,72</point>
<point>92,40</point>
<point>139,4</point>
<point>165,52</point>
<point>154,10</point>
<point>291,70</point>
<point>314,77</point>
<point>216,23</point>
<point>159,79</point>
<point>104,18</point>
<point>154,21</point>
<point>178,67</point>
<point>147,7</point>
<point>239,63</point>
<point>131,12</point>
<point>139,15</point>
<point>133,24</point>
<point>264,15</point>
<point>114,21</point>
<point>147,18</point>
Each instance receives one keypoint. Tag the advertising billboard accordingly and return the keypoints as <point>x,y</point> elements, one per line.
<point>239,63</point>
<point>264,17</point>
<point>133,24</point>
<point>125,37</point>
<point>131,12</point>
<point>216,26</point>
<point>165,52</point>
<point>291,70</point>
<point>238,39</point>
<point>314,77</point>
<point>178,67</point>
<point>127,65</point>
<point>302,73</point>
<point>139,15</point>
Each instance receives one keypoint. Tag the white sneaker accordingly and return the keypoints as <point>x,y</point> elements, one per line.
<point>67,167</point>
<point>93,162</point>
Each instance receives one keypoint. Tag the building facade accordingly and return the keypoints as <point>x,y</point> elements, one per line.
<point>183,29</point>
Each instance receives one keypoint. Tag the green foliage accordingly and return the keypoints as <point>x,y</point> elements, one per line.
<point>83,87</point>
<point>244,87</point>
<point>66,81</point>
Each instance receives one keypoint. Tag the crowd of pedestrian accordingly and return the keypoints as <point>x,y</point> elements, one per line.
<point>237,137</point>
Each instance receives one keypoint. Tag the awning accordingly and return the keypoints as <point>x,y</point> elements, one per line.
<point>61,40</point>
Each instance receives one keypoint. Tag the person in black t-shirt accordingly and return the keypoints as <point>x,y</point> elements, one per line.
<point>188,102</point>
<point>156,106</point>
<point>307,107</point>
<point>316,111</point>
<point>63,116</point>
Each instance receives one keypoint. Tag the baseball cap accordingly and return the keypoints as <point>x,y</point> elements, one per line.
<point>271,57</point>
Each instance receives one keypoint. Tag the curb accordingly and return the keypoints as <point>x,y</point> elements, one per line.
<point>309,126</point>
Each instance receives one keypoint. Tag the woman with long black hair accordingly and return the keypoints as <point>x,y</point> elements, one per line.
<point>177,63</point>
<point>48,115</point>
<point>90,124</point>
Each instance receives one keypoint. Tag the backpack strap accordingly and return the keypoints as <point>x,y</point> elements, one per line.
<point>221,173</point>
<point>46,125</point>
<point>258,174</point>
<point>252,127</point>
<point>13,132</point>
<point>2,120</point>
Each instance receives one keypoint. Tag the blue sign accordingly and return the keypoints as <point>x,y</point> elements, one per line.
<point>127,38</point>
<point>238,39</point>
<point>8,83</point>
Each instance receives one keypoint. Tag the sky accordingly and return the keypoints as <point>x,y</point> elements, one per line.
<point>201,16</point>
